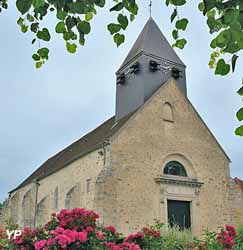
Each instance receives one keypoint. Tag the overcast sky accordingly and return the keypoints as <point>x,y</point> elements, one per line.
<point>43,111</point>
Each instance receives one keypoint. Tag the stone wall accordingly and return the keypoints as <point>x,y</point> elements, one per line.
<point>54,190</point>
<point>139,151</point>
<point>236,202</point>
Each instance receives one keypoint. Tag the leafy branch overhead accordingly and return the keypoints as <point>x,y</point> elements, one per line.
<point>73,23</point>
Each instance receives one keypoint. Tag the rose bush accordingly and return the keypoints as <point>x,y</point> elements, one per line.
<point>78,229</point>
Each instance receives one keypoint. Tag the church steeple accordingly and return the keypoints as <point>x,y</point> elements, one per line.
<point>150,63</point>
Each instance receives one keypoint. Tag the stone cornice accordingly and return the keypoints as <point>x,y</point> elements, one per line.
<point>184,181</point>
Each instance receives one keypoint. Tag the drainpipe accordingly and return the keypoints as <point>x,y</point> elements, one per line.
<point>37,184</point>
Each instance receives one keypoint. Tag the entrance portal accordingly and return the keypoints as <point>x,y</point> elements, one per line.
<point>179,214</point>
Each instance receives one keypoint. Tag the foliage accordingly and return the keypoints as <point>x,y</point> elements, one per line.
<point>239,239</point>
<point>224,240</point>
<point>175,238</point>
<point>78,229</point>
<point>224,20</point>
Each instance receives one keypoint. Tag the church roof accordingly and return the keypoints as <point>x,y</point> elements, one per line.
<point>239,182</point>
<point>151,41</point>
<point>88,143</point>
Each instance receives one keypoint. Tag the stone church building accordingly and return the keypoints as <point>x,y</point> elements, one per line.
<point>154,160</point>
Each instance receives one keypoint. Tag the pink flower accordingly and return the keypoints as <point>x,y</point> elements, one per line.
<point>100,235</point>
<point>39,245</point>
<point>111,229</point>
<point>82,236</point>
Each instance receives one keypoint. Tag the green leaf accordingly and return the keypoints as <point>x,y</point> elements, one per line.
<point>114,28</point>
<point>230,17</point>
<point>233,61</point>
<point>100,3</point>
<point>180,43</point>
<point>222,68</point>
<point>24,28</point>
<point>43,53</point>
<point>79,8</point>
<point>30,18</point>
<point>36,57</point>
<point>173,15</point>
<point>239,131</point>
<point>71,47</point>
<point>38,3</point>
<point>241,18</point>
<point>84,27</point>
<point>167,2</point>
<point>201,6</point>
<point>123,21</point>
<point>240,91</point>
<point>60,27</point>
<point>178,2</point>
<point>67,35</point>
<point>175,34</point>
<point>223,38</point>
<point>88,16</point>
<point>181,24</point>
<point>81,39</point>
<point>119,39</point>
<point>23,5</point>
<point>20,21</point>
<point>239,115</point>
<point>44,34</point>
<point>117,7</point>
<point>132,7</point>
<point>61,14</point>
<point>213,44</point>
<point>70,22</point>
<point>38,64</point>
<point>132,17</point>
<point>34,27</point>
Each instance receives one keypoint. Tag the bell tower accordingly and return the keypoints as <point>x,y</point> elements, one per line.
<point>149,64</point>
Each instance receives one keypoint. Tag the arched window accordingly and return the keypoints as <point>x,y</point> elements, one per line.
<point>56,198</point>
<point>175,168</point>
<point>73,198</point>
<point>168,112</point>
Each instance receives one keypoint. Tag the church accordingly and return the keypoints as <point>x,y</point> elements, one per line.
<point>155,159</point>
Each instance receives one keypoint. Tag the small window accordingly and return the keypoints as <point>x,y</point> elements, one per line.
<point>168,112</point>
<point>175,168</point>
<point>88,184</point>
<point>56,198</point>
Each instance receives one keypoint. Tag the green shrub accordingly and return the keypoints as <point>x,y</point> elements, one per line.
<point>239,239</point>
<point>174,238</point>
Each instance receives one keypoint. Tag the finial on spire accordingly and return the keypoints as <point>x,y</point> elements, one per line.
<point>150,8</point>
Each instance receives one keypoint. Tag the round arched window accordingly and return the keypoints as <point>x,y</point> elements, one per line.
<point>175,168</point>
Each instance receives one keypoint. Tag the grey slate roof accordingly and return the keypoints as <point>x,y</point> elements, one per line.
<point>158,46</point>
<point>88,143</point>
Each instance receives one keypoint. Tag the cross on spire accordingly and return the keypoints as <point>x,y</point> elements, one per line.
<point>150,8</point>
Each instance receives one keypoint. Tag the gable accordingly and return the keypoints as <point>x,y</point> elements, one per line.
<point>184,124</point>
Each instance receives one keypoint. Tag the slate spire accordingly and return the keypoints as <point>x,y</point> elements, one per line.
<point>151,41</point>
<point>150,63</point>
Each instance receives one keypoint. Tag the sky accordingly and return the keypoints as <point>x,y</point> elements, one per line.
<point>43,111</point>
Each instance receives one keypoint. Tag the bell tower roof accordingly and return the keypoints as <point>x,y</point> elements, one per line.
<point>151,41</point>
<point>150,63</point>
